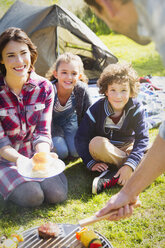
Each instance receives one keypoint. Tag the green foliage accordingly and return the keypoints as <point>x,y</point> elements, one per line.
<point>93,22</point>
<point>4,5</point>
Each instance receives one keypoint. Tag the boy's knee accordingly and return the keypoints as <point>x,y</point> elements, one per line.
<point>97,141</point>
<point>97,144</point>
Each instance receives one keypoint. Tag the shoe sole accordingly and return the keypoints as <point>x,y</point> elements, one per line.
<point>94,185</point>
<point>95,181</point>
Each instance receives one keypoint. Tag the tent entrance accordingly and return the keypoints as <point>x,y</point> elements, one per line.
<point>68,42</point>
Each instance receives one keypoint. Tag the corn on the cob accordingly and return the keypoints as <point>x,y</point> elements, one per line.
<point>89,238</point>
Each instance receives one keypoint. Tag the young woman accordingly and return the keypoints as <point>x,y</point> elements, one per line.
<point>71,102</point>
<point>26,102</point>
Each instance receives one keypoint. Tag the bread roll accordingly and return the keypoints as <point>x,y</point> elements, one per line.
<point>41,162</point>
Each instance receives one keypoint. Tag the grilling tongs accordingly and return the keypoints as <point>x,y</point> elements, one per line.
<point>92,219</point>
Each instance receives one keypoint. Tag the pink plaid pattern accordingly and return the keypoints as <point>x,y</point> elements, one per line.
<point>25,120</point>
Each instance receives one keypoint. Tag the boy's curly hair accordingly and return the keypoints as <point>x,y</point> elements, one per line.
<point>119,73</point>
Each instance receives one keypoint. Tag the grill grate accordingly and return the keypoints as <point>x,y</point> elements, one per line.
<point>66,238</point>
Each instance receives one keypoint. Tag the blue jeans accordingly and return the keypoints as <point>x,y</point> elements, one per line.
<point>63,140</point>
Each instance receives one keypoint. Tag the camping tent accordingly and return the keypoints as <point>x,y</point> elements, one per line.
<point>55,30</point>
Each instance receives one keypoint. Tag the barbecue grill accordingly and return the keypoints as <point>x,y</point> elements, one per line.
<point>66,238</point>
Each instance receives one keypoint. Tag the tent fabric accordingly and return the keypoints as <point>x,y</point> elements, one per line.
<point>55,30</point>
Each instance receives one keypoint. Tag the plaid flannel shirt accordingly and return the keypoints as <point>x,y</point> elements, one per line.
<point>25,120</point>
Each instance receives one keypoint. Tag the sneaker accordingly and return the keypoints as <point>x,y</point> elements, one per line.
<point>104,181</point>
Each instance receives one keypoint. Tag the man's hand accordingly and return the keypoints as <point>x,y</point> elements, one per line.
<point>121,202</point>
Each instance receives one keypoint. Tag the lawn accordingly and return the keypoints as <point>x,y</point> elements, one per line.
<point>144,59</point>
<point>146,227</point>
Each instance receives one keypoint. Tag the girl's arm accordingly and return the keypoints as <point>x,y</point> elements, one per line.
<point>83,99</point>
<point>83,136</point>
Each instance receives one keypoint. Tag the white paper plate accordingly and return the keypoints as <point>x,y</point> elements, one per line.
<point>24,167</point>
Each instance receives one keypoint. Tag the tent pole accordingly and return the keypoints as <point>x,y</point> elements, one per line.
<point>58,50</point>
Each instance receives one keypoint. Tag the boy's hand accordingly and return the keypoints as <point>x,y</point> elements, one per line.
<point>100,167</point>
<point>124,174</point>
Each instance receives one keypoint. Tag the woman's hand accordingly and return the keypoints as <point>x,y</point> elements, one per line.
<point>100,167</point>
<point>54,155</point>
<point>21,158</point>
<point>9,153</point>
<point>42,147</point>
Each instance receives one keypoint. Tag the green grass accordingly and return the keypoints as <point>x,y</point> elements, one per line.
<point>144,59</point>
<point>146,227</point>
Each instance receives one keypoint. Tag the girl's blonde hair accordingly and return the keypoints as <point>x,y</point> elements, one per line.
<point>67,58</point>
<point>119,73</point>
